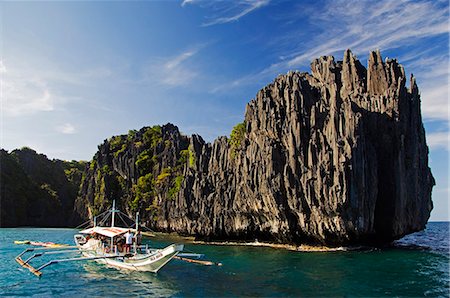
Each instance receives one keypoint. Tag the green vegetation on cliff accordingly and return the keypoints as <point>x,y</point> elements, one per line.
<point>144,191</point>
<point>236,137</point>
<point>152,136</point>
<point>145,161</point>
<point>191,157</point>
<point>173,191</point>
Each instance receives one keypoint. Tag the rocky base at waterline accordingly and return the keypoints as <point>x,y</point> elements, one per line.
<point>301,247</point>
<point>335,157</point>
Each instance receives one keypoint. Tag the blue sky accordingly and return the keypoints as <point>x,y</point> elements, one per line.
<point>76,73</point>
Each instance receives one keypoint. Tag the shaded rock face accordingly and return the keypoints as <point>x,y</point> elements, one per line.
<point>36,191</point>
<point>334,157</point>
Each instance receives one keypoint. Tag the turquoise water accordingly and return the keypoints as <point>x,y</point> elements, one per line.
<point>417,266</point>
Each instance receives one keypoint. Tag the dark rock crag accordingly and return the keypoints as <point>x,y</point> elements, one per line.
<point>335,157</point>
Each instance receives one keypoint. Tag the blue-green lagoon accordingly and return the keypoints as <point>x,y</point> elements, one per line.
<point>418,265</point>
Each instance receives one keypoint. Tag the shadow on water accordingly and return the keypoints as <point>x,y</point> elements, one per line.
<point>415,266</point>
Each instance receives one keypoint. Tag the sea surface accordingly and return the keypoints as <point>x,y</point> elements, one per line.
<point>418,265</point>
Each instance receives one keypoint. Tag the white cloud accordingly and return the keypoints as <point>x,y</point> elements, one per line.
<point>29,88</point>
<point>366,25</point>
<point>172,72</point>
<point>177,60</point>
<point>435,105</point>
<point>185,2</point>
<point>2,67</point>
<point>438,140</point>
<point>225,11</point>
<point>25,96</point>
<point>66,128</point>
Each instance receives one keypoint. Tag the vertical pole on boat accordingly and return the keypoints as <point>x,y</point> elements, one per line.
<point>113,213</point>
<point>95,221</point>
<point>135,234</point>
<point>113,210</point>
<point>137,221</point>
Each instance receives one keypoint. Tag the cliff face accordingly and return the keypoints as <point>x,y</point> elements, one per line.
<point>334,157</point>
<point>36,191</point>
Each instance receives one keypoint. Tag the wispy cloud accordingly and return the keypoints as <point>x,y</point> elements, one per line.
<point>367,25</point>
<point>439,140</point>
<point>364,26</point>
<point>2,67</point>
<point>177,60</point>
<point>185,2</point>
<point>28,89</point>
<point>433,75</point>
<point>24,96</point>
<point>172,71</point>
<point>224,11</point>
<point>66,128</point>
<point>435,104</point>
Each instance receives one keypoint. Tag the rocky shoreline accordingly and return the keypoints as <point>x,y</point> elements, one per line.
<point>300,248</point>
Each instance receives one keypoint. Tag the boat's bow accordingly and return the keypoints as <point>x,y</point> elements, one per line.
<point>149,261</point>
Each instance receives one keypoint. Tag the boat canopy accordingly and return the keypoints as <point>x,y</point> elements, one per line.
<point>106,231</point>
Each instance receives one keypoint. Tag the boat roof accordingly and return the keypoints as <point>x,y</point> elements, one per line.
<point>106,231</point>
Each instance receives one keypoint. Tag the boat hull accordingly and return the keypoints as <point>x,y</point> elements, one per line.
<point>150,262</point>
<point>145,262</point>
<point>150,266</point>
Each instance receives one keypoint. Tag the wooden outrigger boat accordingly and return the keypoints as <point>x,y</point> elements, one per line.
<point>101,244</point>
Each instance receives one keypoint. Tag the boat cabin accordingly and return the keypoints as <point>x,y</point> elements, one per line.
<point>108,239</point>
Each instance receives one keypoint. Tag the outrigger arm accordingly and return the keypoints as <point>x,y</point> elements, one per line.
<point>75,259</point>
<point>38,272</point>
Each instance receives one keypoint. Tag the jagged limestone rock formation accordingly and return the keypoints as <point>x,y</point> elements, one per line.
<point>334,157</point>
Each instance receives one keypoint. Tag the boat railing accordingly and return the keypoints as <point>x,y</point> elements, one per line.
<point>135,250</point>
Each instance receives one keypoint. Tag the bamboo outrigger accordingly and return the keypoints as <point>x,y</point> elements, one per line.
<point>37,271</point>
<point>101,244</point>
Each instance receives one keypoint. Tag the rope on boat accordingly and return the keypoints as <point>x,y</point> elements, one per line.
<point>89,221</point>
<point>134,224</point>
<point>121,218</point>
<point>104,219</point>
<point>81,226</point>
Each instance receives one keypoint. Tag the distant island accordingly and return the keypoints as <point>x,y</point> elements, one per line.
<point>335,157</point>
<point>36,191</point>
